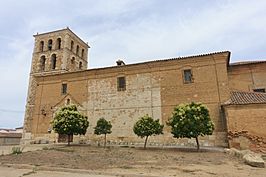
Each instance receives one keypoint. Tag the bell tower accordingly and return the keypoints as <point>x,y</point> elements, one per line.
<point>54,52</point>
<point>59,51</point>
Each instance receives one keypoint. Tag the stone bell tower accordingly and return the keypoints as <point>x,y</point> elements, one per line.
<point>54,52</point>
<point>59,51</point>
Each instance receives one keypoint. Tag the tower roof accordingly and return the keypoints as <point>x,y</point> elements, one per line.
<point>61,30</point>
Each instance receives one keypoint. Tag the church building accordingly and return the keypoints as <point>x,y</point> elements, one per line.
<point>233,92</point>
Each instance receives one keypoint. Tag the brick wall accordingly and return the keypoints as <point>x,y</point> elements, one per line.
<point>247,77</point>
<point>246,126</point>
<point>152,88</point>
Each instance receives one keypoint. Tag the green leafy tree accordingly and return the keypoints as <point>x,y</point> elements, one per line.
<point>103,127</point>
<point>190,121</point>
<point>146,127</point>
<point>68,120</point>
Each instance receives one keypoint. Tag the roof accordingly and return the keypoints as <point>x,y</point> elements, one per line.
<point>6,129</point>
<point>146,62</point>
<point>186,57</point>
<point>64,29</point>
<point>243,98</point>
<point>247,63</point>
<point>10,135</point>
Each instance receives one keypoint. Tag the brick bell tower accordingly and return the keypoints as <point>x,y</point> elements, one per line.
<point>54,52</point>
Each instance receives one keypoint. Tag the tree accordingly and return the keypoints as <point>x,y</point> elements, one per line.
<point>190,121</point>
<point>68,120</point>
<point>103,127</point>
<point>146,127</point>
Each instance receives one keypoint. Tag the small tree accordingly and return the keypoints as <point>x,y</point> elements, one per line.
<point>146,127</point>
<point>103,127</point>
<point>190,121</point>
<point>68,120</point>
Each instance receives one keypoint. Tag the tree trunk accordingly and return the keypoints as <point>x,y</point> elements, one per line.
<point>197,143</point>
<point>146,139</point>
<point>104,140</point>
<point>68,139</point>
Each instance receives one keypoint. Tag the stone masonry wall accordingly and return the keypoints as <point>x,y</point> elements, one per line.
<point>123,108</point>
<point>36,106</point>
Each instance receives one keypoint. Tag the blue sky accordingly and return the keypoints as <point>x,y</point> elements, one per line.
<point>133,30</point>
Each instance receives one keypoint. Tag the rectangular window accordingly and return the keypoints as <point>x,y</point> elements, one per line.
<point>121,84</point>
<point>64,89</point>
<point>261,90</point>
<point>187,76</point>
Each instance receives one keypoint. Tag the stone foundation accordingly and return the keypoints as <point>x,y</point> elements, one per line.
<point>218,139</point>
<point>244,140</point>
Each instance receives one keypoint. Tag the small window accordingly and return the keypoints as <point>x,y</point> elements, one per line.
<point>73,60</point>
<point>261,90</point>
<point>58,43</point>
<point>72,45</point>
<point>64,89</point>
<point>80,65</point>
<point>77,50</point>
<point>53,61</point>
<point>50,44</point>
<point>42,62</point>
<point>82,53</point>
<point>121,84</point>
<point>188,76</point>
<point>41,46</point>
<point>68,101</point>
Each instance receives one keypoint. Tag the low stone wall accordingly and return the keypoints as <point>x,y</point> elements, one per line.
<point>10,138</point>
<point>9,141</point>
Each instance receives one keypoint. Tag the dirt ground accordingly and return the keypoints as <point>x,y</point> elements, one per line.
<point>126,161</point>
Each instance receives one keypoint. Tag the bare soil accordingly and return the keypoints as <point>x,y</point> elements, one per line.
<point>137,161</point>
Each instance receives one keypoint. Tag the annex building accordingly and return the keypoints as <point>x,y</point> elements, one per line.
<point>60,75</point>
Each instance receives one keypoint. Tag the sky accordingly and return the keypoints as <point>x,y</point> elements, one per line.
<point>132,30</point>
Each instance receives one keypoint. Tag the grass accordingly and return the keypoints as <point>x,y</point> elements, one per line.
<point>17,150</point>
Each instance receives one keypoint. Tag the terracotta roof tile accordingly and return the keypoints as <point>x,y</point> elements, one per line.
<point>241,98</point>
<point>142,63</point>
<point>247,63</point>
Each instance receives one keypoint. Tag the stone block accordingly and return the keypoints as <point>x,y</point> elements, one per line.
<point>254,160</point>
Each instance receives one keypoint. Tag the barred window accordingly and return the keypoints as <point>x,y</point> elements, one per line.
<point>64,89</point>
<point>121,84</point>
<point>187,76</point>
